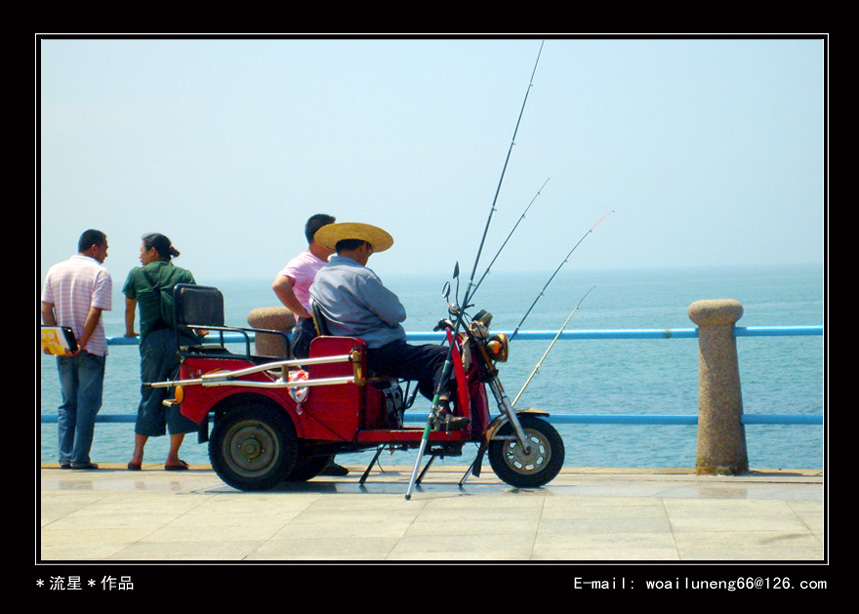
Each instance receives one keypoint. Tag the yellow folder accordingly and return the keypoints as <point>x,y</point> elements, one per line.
<point>58,340</point>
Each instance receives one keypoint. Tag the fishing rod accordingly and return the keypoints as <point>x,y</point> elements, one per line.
<point>521,217</point>
<point>513,334</point>
<point>468,291</point>
<point>540,362</point>
<point>448,363</point>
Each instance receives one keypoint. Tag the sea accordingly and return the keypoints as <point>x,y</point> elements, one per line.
<point>778,375</point>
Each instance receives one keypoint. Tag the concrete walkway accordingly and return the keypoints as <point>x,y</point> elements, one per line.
<point>113,515</point>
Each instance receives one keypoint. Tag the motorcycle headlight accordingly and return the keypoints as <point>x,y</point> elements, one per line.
<point>498,347</point>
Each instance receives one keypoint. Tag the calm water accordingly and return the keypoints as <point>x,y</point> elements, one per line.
<point>778,375</point>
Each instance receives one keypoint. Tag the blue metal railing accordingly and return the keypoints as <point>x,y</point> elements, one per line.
<point>537,335</point>
<point>543,335</point>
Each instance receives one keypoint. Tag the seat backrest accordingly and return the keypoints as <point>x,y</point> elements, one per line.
<point>198,306</point>
<point>319,321</point>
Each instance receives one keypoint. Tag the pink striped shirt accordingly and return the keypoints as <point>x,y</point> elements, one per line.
<point>72,287</point>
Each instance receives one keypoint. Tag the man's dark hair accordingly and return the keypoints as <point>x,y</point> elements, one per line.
<point>89,238</point>
<point>315,223</point>
<point>348,244</point>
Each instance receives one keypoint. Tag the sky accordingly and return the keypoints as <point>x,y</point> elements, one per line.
<point>701,151</point>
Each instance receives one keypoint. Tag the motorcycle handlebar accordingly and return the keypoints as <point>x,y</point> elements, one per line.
<point>442,325</point>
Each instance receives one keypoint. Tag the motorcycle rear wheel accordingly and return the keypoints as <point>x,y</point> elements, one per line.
<point>532,468</point>
<point>253,447</point>
<point>308,467</point>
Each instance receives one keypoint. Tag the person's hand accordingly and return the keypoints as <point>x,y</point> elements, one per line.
<point>67,353</point>
<point>82,343</point>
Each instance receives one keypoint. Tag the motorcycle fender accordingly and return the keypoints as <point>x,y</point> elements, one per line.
<point>502,419</point>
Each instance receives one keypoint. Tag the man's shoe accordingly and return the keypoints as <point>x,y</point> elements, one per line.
<point>448,422</point>
<point>334,469</point>
<point>85,466</point>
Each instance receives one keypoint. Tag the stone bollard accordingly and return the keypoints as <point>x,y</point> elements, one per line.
<point>721,434</point>
<point>271,318</point>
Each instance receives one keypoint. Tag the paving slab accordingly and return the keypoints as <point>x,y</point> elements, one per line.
<point>112,515</point>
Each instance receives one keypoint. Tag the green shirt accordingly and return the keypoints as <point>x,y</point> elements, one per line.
<point>152,287</point>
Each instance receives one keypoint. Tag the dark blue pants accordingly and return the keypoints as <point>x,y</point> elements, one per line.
<point>421,363</point>
<point>159,361</point>
<point>303,333</point>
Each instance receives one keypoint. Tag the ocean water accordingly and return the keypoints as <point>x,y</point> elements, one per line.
<point>779,375</point>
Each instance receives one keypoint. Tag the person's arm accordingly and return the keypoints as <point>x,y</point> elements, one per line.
<point>382,301</point>
<point>49,318</point>
<point>282,287</point>
<point>91,322</point>
<point>130,308</point>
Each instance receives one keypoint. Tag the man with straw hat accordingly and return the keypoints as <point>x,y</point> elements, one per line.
<point>355,303</point>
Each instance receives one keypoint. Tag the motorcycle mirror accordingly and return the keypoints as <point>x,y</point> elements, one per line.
<point>456,271</point>
<point>445,291</point>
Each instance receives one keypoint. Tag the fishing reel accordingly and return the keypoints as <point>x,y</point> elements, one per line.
<point>479,327</point>
<point>497,345</point>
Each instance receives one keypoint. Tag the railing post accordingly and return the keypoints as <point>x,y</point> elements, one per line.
<point>271,318</point>
<point>721,434</point>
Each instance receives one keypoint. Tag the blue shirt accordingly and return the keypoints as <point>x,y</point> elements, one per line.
<point>355,303</point>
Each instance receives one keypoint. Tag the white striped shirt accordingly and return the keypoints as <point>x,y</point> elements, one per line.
<point>72,287</point>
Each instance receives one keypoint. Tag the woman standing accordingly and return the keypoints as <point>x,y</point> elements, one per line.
<point>150,288</point>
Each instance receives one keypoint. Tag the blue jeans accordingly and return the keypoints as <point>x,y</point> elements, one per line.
<point>81,384</point>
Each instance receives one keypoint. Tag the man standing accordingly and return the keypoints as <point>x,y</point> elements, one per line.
<point>292,287</point>
<point>292,284</point>
<point>355,303</point>
<point>74,294</point>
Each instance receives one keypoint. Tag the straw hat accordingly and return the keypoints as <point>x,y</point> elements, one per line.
<point>330,234</point>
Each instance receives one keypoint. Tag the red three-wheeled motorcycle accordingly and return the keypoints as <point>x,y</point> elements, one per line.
<point>275,420</point>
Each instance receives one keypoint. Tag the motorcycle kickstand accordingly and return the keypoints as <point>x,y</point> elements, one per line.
<point>477,463</point>
<point>370,466</point>
<point>425,469</point>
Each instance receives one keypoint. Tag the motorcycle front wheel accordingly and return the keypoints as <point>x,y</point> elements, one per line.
<point>532,467</point>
